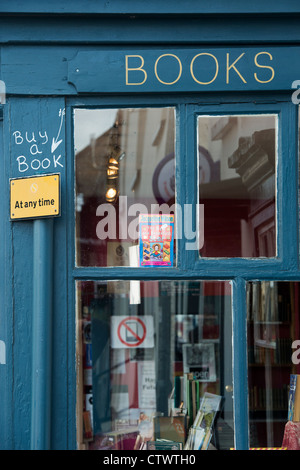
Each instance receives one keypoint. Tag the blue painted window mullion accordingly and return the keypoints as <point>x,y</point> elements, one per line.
<point>287,188</point>
<point>240,366</point>
<point>180,177</point>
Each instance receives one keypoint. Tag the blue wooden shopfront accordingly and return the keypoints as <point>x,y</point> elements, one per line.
<point>221,68</point>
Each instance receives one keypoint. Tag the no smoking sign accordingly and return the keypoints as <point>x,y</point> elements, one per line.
<point>132,332</point>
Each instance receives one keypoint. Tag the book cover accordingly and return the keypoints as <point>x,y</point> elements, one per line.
<point>292,393</point>
<point>156,240</point>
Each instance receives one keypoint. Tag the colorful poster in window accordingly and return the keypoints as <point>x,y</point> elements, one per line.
<point>156,239</point>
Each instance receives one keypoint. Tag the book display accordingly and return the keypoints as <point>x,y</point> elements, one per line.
<point>291,438</point>
<point>294,399</point>
<point>145,385</point>
<point>201,431</point>
<point>273,326</point>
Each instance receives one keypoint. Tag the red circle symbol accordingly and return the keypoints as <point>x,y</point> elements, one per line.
<point>129,334</point>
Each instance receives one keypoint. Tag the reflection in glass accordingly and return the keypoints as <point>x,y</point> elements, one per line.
<point>124,166</point>
<point>147,353</point>
<point>236,170</point>
<point>273,326</point>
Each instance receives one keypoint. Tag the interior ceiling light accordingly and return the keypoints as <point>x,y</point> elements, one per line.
<point>111,194</point>
<point>113,164</point>
<point>111,174</point>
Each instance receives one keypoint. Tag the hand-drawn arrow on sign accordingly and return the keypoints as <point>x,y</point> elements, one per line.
<point>56,142</point>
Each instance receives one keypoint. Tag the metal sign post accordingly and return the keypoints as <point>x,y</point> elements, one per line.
<point>42,334</point>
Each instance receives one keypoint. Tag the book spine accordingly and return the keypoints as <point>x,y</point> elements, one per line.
<point>292,391</point>
<point>296,416</point>
<point>177,392</point>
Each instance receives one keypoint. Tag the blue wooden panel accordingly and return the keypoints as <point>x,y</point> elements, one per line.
<point>68,71</point>
<point>184,70</point>
<point>136,7</point>
<point>35,70</point>
<point>7,294</point>
<point>171,29</point>
<point>42,331</point>
<point>33,124</point>
<point>5,319</point>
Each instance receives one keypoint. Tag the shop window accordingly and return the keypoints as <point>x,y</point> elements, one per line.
<point>237,185</point>
<point>150,354</point>
<point>273,355</point>
<point>125,167</point>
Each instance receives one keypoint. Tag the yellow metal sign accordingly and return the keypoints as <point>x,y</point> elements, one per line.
<point>35,197</point>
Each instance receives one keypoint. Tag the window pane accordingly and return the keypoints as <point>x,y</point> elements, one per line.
<point>149,355</point>
<point>237,165</point>
<point>125,166</point>
<point>273,326</point>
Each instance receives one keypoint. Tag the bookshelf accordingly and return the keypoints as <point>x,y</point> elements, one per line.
<point>273,324</point>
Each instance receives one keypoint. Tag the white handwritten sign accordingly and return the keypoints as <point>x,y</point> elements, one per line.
<point>36,151</point>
